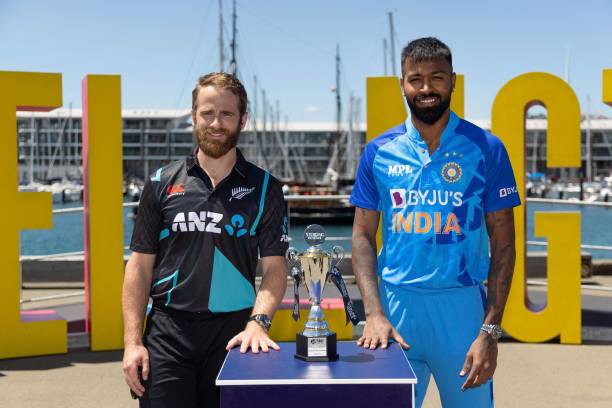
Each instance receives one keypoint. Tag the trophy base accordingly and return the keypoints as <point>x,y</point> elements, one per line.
<point>321,348</point>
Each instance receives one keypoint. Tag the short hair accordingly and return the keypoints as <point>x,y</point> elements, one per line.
<point>426,49</point>
<point>221,80</point>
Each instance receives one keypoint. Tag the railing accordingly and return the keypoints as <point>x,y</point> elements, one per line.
<point>300,198</point>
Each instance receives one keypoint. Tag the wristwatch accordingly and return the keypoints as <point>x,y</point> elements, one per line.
<point>492,329</point>
<point>262,319</point>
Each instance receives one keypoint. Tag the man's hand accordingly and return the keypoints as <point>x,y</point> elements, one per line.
<point>480,361</point>
<point>135,356</point>
<point>378,330</point>
<point>253,336</point>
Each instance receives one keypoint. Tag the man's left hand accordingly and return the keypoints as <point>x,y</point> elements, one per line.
<point>253,336</point>
<point>480,361</point>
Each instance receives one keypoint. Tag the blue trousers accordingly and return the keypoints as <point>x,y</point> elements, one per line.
<point>439,326</point>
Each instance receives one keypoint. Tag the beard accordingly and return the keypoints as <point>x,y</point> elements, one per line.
<point>216,148</point>
<point>432,114</point>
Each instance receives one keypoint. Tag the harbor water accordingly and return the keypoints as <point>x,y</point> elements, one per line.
<point>67,232</point>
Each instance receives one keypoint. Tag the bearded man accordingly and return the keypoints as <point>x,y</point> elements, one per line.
<point>202,223</point>
<point>444,189</point>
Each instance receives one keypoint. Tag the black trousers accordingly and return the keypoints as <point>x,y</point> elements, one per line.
<point>186,352</point>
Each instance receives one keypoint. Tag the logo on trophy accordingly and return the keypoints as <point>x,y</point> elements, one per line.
<point>315,267</point>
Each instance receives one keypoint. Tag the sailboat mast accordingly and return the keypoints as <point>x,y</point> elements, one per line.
<point>221,45</point>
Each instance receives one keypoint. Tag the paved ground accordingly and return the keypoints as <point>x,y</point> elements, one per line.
<point>528,375</point>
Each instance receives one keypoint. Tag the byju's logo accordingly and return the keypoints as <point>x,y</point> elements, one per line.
<point>236,227</point>
<point>398,197</point>
<point>506,191</point>
<point>239,192</point>
<point>398,170</point>
<point>204,221</point>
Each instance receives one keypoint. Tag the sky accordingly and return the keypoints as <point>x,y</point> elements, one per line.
<point>160,48</point>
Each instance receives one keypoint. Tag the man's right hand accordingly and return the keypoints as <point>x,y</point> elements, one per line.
<point>377,331</point>
<point>135,356</point>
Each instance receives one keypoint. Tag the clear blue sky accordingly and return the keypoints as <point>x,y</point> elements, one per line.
<point>160,47</point>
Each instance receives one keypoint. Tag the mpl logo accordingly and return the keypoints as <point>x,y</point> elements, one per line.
<point>204,221</point>
<point>398,197</point>
<point>396,170</point>
<point>175,189</point>
<point>506,191</point>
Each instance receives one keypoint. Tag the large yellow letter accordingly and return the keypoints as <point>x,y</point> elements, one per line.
<point>606,94</point>
<point>561,316</point>
<point>103,218</point>
<point>26,92</point>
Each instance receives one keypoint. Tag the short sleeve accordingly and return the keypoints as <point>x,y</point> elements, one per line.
<point>500,188</point>
<point>365,194</point>
<point>272,230</point>
<point>148,223</point>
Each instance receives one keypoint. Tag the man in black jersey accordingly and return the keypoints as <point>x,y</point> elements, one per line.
<point>202,224</point>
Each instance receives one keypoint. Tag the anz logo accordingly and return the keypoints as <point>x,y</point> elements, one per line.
<point>203,221</point>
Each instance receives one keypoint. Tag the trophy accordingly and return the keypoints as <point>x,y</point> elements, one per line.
<point>315,267</point>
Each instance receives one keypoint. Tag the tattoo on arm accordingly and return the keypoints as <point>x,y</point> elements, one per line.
<point>364,258</point>
<point>500,225</point>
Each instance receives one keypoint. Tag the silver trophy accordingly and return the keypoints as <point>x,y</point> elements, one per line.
<point>315,267</point>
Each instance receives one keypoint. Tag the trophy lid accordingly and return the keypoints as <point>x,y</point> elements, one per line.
<point>314,235</point>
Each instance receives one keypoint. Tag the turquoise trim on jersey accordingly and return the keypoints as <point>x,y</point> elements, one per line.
<point>165,233</point>
<point>261,202</point>
<point>434,206</point>
<point>174,278</point>
<point>229,289</point>
<point>157,175</point>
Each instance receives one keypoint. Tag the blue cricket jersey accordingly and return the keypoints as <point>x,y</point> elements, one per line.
<point>433,228</point>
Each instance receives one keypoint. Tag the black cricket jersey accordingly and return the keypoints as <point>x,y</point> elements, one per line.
<point>207,241</point>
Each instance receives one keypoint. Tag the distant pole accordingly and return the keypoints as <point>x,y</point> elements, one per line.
<point>233,67</point>
<point>221,45</point>
<point>385,57</point>
<point>338,100</point>
<point>392,39</point>
<point>566,74</point>
<point>589,174</point>
<point>255,97</point>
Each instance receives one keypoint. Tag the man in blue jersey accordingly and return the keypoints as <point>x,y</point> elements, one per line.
<point>445,191</point>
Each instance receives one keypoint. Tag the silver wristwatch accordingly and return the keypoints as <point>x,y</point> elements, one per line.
<point>492,329</point>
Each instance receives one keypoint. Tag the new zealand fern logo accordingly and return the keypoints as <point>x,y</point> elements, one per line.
<point>239,192</point>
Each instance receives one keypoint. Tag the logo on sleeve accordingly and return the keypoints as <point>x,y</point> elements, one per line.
<point>506,191</point>
<point>284,231</point>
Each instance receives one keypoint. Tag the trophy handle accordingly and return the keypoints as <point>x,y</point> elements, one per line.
<point>292,255</point>
<point>337,255</point>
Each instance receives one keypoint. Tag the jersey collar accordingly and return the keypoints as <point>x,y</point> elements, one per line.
<point>240,167</point>
<point>413,133</point>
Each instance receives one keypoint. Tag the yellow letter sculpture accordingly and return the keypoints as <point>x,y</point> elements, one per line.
<point>606,94</point>
<point>23,91</point>
<point>561,316</point>
<point>103,217</point>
